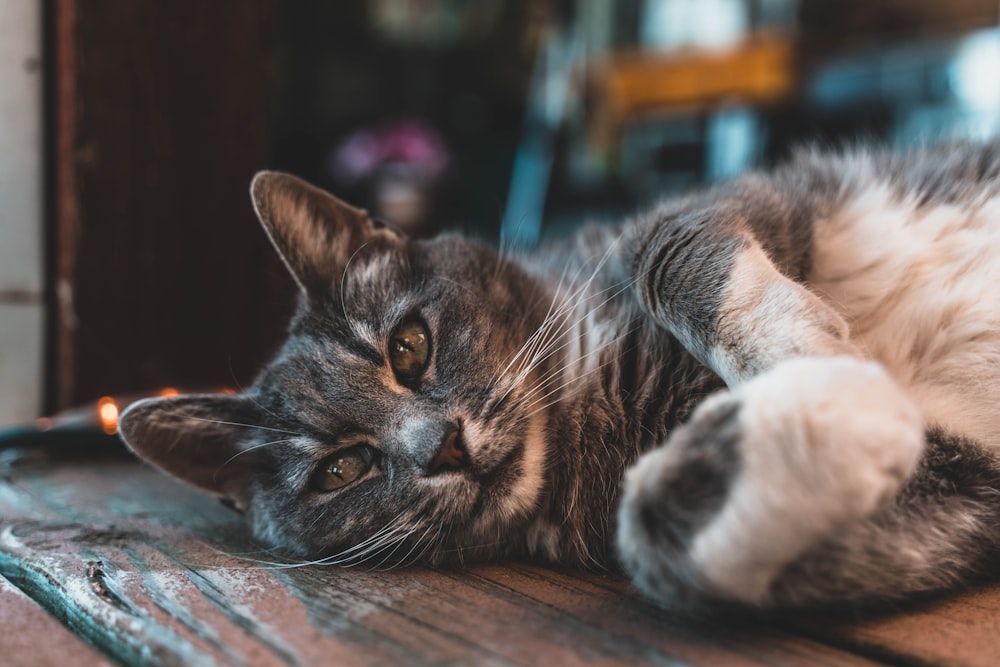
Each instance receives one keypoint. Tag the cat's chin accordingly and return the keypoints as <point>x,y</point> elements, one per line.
<point>511,487</point>
<point>502,477</point>
<point>482,488</point>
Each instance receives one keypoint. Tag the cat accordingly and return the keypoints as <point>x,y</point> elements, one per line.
<point>779,392</point>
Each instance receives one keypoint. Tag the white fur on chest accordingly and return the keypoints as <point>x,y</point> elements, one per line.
<point>920,289</point>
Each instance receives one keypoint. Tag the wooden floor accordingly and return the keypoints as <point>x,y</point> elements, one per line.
<point>105,561</point>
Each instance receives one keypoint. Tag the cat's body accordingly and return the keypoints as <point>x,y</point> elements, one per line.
<point>435,401</point>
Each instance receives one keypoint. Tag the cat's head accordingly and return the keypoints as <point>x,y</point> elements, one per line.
<point>395,421</point>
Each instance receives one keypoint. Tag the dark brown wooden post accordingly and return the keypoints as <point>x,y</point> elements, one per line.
<point>158,273</point>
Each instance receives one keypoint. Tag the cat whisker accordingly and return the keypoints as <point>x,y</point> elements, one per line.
<point>374,548</point>
<point>531,406</point>
<point>399,544</point>
<point>541,337</point>
<point>545,354</point>
<point>387,531</point>
<point>558,371</point>
<point>434,545</point>
<point>343,277</point>
<point>267,563</point>
<point>239,554</point>
<point>402,561</point>
<point>569,303</point>
<point>422,544</point>
<point>228,423</point>
<point>395,543</point>
<point>512,359</point>
<point>242,556</point>
<point>539,345</point>
<point>339,558</point>
<point>566,303</point>
<point>248,449</point>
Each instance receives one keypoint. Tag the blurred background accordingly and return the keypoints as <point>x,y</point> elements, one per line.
<point>130,260</point>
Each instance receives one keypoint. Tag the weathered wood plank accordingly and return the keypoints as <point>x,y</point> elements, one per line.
<point>609,602</point>
<point>31,637</point>
<point>960,630</point>
<point>158,574</point>
<point>187,605</point>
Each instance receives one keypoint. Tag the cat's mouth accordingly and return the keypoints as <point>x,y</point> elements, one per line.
<point>501,476</point>
<point>505,473</point>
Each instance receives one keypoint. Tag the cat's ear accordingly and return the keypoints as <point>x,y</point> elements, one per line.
<point>196,438</point>
<point>314,232</point>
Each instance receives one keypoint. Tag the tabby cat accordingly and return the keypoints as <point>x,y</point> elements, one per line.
<point>780,392</point>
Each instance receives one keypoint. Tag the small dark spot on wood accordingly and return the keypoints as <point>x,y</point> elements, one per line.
<point>39,534</point>
<point>97,579</point>
<point>95,575</point>
<point>104,536</point>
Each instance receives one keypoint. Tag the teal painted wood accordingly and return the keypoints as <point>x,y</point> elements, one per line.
<point>32,638</point>
<point>154,573</point>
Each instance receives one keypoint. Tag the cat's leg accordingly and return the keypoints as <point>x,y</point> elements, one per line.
<point>941,530</point>
<point>817,437</point>
<point>764,506</point>
<point>713,286</point>
<point>761,474</point>
<point>811,479</point>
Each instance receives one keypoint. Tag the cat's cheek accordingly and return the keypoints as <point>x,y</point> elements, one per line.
<point>511,465</point>
<point>523,494</point>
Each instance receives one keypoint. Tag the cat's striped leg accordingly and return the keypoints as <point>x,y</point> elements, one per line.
<point>941,530</point>
<point>711,284</point>
<point>813,479</point>
<point>762,474</point>
<point>809,439</point>
<point>779,508</point>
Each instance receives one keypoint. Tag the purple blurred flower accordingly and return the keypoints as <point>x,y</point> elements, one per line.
<point>407,145</point>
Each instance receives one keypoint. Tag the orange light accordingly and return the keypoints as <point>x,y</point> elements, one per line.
<point>43,423</point>
<point>169,391</point>
<point>107,410</point>
<point>228,392</point>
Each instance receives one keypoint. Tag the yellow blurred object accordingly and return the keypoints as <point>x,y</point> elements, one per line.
<point>631,85</point>
<point>107,410</point>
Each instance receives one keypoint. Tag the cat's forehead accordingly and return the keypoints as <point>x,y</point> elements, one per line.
<point>370,281</point>
<point>377,289</point>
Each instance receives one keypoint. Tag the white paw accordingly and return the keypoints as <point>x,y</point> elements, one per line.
<point>671,494</point>
<point>823,442</point>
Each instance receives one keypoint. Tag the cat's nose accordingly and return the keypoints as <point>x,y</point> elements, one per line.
<point>451,454</point>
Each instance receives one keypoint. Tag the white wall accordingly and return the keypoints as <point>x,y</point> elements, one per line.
<point>21,310</point>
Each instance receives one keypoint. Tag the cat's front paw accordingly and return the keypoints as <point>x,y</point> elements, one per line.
<point>671,494</point>
<point>765,472</point>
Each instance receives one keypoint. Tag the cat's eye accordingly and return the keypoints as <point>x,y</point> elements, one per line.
<point>409,350</point>
<point>344,467</point>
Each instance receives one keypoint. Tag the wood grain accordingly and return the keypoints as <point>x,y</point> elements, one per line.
<point>151,572</point>
<point>32,637</point>
<point>958,630</point>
